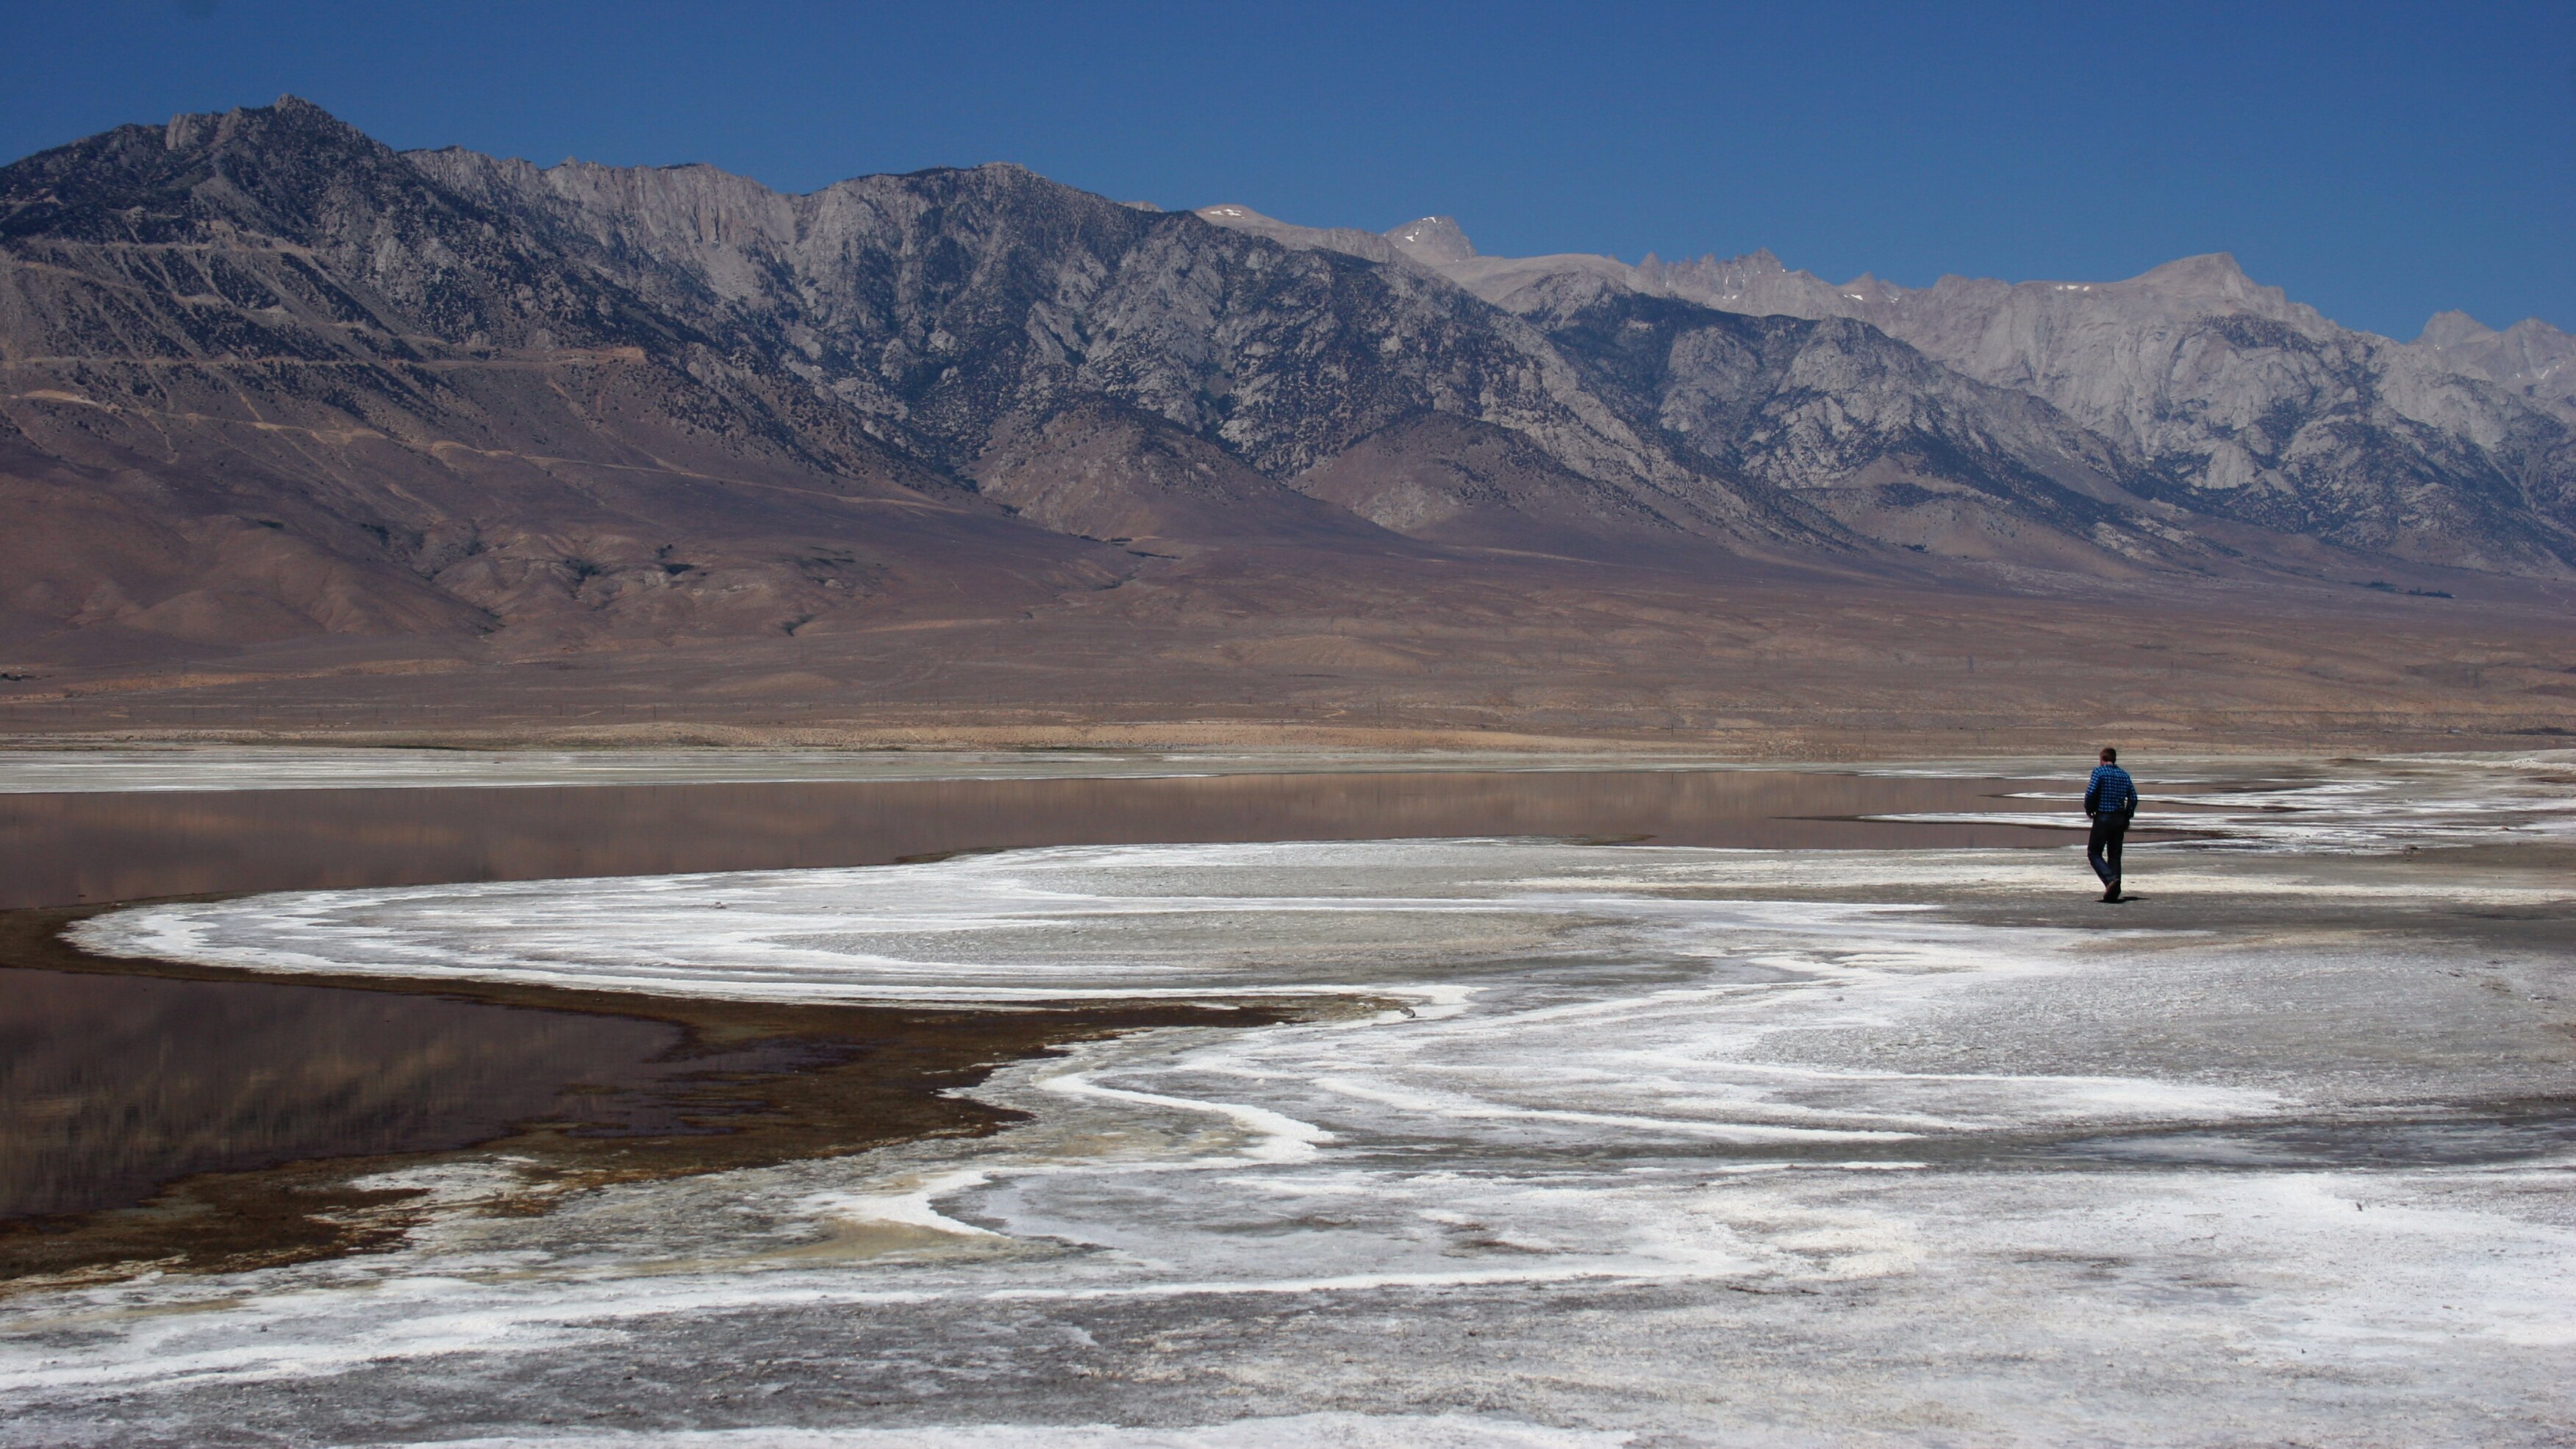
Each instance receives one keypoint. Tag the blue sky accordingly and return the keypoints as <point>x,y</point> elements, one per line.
<point>2381,162</point>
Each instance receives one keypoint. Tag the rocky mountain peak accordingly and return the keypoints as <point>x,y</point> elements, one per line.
<point>2530,357</point>
<point>1433,239</point>
<point>2212,277</point>
<point>1868,288</point>
<point>286,117</point>
<point>2450,329</point>
<point>268,169</point>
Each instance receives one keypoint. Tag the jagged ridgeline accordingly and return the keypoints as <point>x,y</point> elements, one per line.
<point>267,377</point>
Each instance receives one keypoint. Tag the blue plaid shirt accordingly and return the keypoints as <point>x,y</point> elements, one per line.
<point>2110,794</point>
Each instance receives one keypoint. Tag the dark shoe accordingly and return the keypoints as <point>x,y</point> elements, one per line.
<point>2111,897</point>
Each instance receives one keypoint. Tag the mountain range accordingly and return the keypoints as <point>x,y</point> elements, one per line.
<point>2198,388</point>
<point>271,384</point>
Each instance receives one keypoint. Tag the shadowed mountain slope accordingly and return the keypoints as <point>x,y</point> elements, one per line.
<point>267,322</point>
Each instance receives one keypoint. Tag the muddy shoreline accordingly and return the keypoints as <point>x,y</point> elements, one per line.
<point>753,1085</point>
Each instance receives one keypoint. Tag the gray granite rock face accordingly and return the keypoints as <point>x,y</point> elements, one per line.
<point>2233,400</point>
<point>2530,357</point>
<point>938,308</point>
<point>1846,419</point>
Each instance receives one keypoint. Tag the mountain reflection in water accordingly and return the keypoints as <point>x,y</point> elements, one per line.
<point>112,1085</point>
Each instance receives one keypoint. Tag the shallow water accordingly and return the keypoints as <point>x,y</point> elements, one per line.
<point>1664,1144</point>
<point>113,1085</point>
<point>95,845</point>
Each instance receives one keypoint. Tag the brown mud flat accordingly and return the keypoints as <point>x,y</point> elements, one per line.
<point>745,1085</point>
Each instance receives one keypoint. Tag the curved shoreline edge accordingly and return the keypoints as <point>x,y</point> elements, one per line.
<point>844,1079</point>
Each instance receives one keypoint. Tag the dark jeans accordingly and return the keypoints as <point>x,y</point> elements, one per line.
<point>2102,848</point>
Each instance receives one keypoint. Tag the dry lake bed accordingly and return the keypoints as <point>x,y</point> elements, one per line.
<point>354,1098</point>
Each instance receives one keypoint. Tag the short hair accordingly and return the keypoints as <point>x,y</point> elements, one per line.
<point>2109,754</point>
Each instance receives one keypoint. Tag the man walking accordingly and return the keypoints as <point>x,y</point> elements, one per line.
<point>2110,802</point>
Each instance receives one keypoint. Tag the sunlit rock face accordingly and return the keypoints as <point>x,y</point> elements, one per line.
<point>1708,1146</point>
<point>2530,357</point>
<point>2232,399</point>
